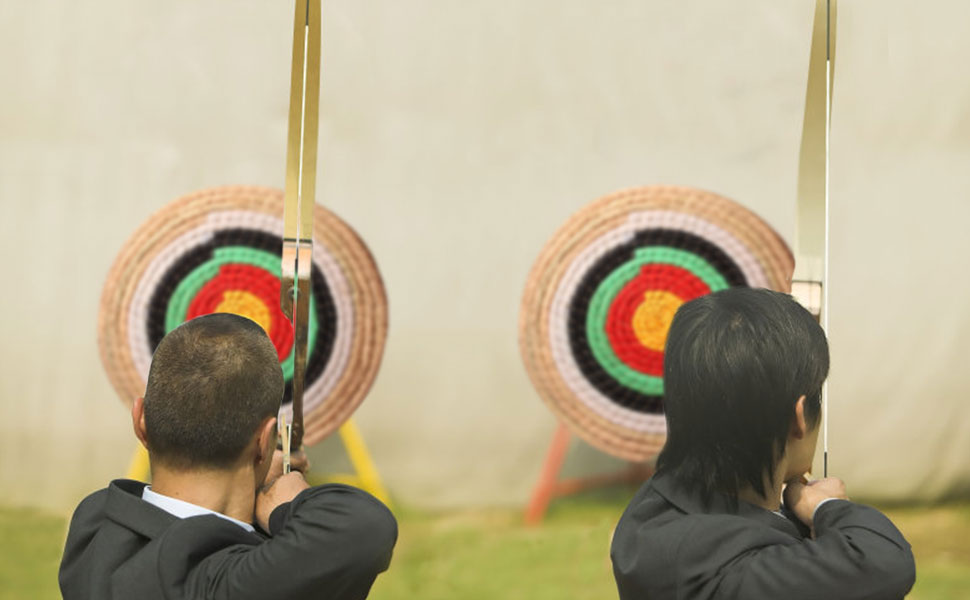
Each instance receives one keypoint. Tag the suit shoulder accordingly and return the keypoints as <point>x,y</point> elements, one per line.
<point>356,504</point>
<point>90,510</point>
<point>671,536</point>
<point>93,502</point>
<point>671,527</point>
<point>361,515</point>
<point>86,521</point>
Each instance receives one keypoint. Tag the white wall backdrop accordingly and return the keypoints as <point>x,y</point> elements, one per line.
<point>456,137</point>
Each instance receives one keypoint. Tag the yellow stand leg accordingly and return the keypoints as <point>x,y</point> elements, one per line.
<point>139,468</point>
<point>370,479</point>
<point>366,478</point>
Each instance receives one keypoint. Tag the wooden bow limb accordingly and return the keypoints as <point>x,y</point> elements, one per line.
<point>812,234</point>
<point>301,166</point>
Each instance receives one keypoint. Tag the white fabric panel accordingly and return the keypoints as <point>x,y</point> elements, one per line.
<point>456,137</point>
<point>900,320</point>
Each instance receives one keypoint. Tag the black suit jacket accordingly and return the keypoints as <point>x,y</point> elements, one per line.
<point>331,541</point>
<point>667,545</point>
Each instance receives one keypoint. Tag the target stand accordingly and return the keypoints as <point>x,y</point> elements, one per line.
<point>218,250</point>
<point>599,302</point>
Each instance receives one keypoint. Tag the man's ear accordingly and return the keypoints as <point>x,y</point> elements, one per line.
<point>799,427</point>
<point>266,440</point>
<point>138,421</point>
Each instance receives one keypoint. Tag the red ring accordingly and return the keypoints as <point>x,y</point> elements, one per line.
<point>256,281</point>
<point>619,320</point>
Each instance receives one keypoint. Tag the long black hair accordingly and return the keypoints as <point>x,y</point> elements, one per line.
<point>735,364</point>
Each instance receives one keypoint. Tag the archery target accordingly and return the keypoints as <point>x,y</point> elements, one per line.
<point>219,250</point>
<point>601,296</point>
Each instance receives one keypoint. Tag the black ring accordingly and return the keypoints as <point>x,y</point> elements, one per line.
<point>595,374</point>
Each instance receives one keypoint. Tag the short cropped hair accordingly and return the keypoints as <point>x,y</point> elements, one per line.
<point>212,381</point>
<point>735,364</point>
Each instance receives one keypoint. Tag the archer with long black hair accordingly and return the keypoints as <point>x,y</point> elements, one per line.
<point>729,513</point>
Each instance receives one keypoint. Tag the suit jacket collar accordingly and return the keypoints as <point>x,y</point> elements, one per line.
<point>668,486</point>
<point>125,507</point>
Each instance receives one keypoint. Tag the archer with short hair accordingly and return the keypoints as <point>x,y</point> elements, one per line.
<point>220,519</point>
<point>743,375</point>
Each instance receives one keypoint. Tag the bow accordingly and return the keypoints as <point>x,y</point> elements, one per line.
<point>812,234</point>
<point>301,166</point>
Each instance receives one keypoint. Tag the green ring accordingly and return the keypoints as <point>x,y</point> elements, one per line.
<point>181,298</point>
<point>607,291</point>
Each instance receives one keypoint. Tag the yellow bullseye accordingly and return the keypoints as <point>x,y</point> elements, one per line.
<point>651,321</point>
<point>245,304</point>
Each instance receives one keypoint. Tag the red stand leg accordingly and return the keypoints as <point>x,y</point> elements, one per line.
<point>546,486</point>
<point>550,486</point>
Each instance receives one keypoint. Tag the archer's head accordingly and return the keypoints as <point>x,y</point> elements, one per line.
<point>214,390</point>
<point>743,374</point>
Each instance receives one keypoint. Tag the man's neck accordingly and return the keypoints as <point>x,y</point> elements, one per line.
<point>771,499</point>
<point>231,492</point>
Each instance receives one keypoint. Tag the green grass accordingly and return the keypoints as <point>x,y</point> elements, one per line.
<point>941,542</point>
<point>490,554</point>
<point>30,551</point>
